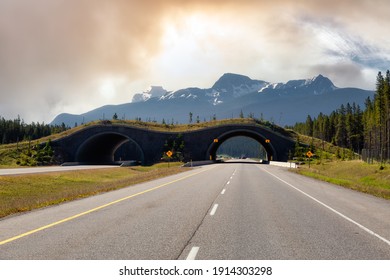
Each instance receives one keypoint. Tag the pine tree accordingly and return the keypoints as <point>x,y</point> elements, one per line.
<point>341,130</point>
<point>309,126</point>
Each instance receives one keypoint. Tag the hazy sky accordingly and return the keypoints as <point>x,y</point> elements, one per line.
<point>75,55</point>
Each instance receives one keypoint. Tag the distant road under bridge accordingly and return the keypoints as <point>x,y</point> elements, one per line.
<point>97,144</point>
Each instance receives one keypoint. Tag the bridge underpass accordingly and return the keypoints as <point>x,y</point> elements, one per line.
<point>218,142</point>
<point>99,144</point>
<point>241,147</point>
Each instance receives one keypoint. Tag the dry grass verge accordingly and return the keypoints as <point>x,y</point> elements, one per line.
<point>26,192</point>
<point>356,175</point>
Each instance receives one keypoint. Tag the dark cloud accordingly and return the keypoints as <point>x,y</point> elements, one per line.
<point>55,50</point>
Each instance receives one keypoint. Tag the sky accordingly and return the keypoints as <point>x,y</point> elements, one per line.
<point>76,55</point>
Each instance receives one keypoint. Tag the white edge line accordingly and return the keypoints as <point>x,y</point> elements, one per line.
<point>193,253</point>
<point>214,210</point>
<point>333,210</point>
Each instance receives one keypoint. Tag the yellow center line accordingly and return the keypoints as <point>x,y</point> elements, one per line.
<point>95,209</point>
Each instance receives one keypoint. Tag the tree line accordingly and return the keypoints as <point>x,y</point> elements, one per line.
<point>365,131</point>
<point>12,131</point>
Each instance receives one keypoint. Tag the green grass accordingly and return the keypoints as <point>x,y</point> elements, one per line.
<point>26,192</point>
<point>356,175</point>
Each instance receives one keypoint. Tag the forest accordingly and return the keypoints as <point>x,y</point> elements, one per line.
<point>365,131</point>
<point>12,131</point>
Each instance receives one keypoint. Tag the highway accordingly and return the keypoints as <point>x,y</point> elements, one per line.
<point>233,211</point>
<point>48,169</point>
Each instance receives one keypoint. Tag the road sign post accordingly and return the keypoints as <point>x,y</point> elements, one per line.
<point>169,154</point>
<point>309,154</point>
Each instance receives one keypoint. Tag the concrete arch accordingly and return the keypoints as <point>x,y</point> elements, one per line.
<point>96,144</point>
<point>100,148</point>
<point>213,148</point>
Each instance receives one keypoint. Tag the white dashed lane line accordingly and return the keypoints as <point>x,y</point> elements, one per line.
<point>212,213</point>
<point>194,250</point>
<point>193,253</point>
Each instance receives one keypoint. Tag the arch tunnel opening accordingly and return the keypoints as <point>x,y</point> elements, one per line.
<point>241,147</point>
<point>109,148</point>
<point>242,140</point>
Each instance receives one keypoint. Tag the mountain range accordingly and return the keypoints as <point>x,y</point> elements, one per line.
<point>231,96</point>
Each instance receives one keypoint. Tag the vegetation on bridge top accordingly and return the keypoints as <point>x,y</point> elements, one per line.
<point>159,127</point>
<point>15,154</point>
<point>20,153</point>
<point>165,127</point>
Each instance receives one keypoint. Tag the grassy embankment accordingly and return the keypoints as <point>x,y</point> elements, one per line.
<point>341,167</point>
<point>27,192</point>
<point>355,174</point>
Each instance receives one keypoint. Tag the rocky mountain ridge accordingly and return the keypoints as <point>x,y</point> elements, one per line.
<point>231,94</point>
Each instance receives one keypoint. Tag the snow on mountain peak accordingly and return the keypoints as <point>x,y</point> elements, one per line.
<point>152,92</point>
<point>317,85</point>
<point>231,86</point>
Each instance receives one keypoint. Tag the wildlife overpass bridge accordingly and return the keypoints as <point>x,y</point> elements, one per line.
<point>97,144</point>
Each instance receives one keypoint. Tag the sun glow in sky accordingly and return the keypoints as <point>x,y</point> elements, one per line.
<point>73,56</point>
<point>195,44</point>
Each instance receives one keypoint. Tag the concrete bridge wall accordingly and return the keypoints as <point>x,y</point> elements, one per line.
<point>97,144</point>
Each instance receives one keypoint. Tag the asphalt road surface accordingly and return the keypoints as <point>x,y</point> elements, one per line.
<point>225,211</point>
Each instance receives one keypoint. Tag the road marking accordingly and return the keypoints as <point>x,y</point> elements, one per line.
<point>332,209</point>
<point>96,209</point>
<point>231,177</point>
<point>192,254</point>
<point>214,210</point>
<point>228,183</point>
<point>223,191</point>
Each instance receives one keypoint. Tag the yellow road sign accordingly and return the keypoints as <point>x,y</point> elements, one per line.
<point>309,154</point>
<point>216,140</point>
<point>267,141</point>
<point>169,153</point>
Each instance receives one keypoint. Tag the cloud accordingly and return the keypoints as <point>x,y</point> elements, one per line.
<point>73,56</point>
<point>343,45</point>
<point>53,53</point>
<point>343,73</point>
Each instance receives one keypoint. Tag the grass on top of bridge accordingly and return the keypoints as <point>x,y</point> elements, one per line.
<point>21,193</point>
<point>143,125</point>
<point>9,153</point>
<point>158,127</point>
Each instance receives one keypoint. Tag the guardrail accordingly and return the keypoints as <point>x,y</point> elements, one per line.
<point>284,164</point>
